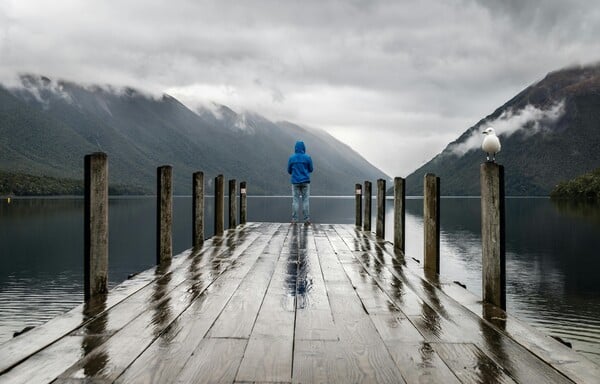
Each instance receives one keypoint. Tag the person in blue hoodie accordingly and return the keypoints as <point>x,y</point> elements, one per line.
<point>300,166</point>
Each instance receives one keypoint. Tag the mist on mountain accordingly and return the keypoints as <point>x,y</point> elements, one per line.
<point>47,126</point>
<point>550,132</point>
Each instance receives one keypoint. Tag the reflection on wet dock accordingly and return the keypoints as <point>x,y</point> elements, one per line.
<point>270,302</point>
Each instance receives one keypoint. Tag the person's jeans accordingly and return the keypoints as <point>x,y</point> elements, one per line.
<point>300,191</point>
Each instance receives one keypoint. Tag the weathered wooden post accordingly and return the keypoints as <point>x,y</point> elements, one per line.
<point>367,204</point>
<point>243,203</point>
<point>380,225</point>
<point>198,209</point>
<point>219,206</point>
<point>399,213</point>
<point>164,214</point>
<point>493,263</point>
<point>232,203</point>
<point>358,204</point>
<point>96,224</point>
<point>431,223</point>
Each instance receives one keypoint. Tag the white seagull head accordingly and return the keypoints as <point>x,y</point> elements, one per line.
<point>489,130</point>
<point>491,143</point>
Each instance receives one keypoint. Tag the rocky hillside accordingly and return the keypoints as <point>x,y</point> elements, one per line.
<point>46,127</point>
<point>550,132</point>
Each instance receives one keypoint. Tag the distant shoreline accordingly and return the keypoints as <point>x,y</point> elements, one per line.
<point>388,197</point>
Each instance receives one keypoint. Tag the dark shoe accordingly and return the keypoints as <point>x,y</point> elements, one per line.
<point>307,222</point>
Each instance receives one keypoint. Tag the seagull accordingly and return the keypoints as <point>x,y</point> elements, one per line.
<point>491,144</point>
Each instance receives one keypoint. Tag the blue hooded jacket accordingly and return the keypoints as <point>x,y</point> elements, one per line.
<point>300,165</point>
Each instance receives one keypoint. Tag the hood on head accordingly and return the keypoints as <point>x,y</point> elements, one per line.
<point>300,148</point>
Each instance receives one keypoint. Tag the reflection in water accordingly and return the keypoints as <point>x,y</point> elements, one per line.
<point>494,343</point>
<point>303,283</point>
<point>588,210</point>
<point>160,301</point>
<point>427,355</point>
<point>291,274</point>
<point>195,275</point>
<point>487,370</point>
<point>93,335</point>
<point>430,321</point>
<point>299,280</point>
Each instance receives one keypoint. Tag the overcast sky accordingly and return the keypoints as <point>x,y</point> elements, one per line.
<point>396,80</point>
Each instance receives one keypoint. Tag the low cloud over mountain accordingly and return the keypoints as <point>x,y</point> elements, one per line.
<point>550,132</point>
<point>46,127</point>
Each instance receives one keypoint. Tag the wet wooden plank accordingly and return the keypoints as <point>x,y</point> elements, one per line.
<point>359,338</point>
<point>319,361</point>
<point>570,363</point>
<point>133,339</point>
<point>323,361</point>
<point>45,366</point>
<point>294,304</point>
<point>214,361</point>
<point>311,291</point>
<point>328,261</point>
<point>365,349</point>
<point>312,324</point>
<point>436,328</point>
<point>239,315</point>
<point>314,320</point>
<point>164,358</point>
<point>20,348</point>
<point>396,327</point>
<point>420,363</point>
<point>442,319</point>
<point>110,359</point>
<point>97,319</point>
<point>445,320</point>
<point>520,363</point>
<point>470,364</point>
<point>274,323</point>
<point>268,356</point>
<point>373,299</point>
<point>267,359</point>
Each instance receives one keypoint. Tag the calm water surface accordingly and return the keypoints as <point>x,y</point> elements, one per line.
<point>552,254</point>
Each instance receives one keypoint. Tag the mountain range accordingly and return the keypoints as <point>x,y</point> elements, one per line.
<point>550,132</point>
<point>46,128</point>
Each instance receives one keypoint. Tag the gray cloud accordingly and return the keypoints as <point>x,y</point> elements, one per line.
<point>395,80</point>
<point>528,120</point>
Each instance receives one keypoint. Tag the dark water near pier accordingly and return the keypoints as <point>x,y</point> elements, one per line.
<point>553,254</point>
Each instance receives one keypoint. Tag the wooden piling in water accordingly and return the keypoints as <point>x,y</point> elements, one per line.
<point>243,203</point>
<point>380,224</point>
<point>358,204</point>
<point>367,204</point>
<point>232,203</point>
<point>198,209</point>
<point>431,223</point>
<point>164,214</point>
<point>96,224</point>
<point>399,213</point>
<point>219,206</point>
<point>493,236</point>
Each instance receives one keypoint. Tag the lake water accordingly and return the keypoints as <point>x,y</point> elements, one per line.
<point>552,254</point>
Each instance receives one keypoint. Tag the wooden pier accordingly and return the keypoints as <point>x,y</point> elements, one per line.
<point>269,302</point>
